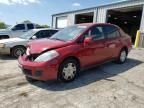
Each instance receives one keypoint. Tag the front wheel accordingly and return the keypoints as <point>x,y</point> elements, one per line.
<point>68,70</point>
<point>122,56</point>
<point>17,51</point>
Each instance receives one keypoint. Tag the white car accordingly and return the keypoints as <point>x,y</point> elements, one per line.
<point>16,30</point>
<point>17,46</point>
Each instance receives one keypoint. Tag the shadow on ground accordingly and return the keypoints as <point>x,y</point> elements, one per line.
<point>102,72</point>
<point>6,57</point>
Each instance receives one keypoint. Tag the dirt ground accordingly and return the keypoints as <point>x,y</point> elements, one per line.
<point>107,86</point>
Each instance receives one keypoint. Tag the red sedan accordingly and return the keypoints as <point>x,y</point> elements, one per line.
<point>72,49</point>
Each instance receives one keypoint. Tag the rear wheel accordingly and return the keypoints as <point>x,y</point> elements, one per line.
<point>68,70</point>
<point>17,51</point>
<point>122,56</point>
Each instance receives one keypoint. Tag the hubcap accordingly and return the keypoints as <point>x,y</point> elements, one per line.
<point>69,71</point>
<point>123,56</point>
<point>19,52</point>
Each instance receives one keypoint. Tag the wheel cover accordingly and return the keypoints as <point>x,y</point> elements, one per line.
<point>18,52</point>
<point>123,56</point>
<point>69,71</point>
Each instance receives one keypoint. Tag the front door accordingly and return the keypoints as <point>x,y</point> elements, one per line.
<point>18,30</point>
<point>95,52</point>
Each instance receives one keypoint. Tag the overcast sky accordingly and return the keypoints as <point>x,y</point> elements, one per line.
<point>40,11</point>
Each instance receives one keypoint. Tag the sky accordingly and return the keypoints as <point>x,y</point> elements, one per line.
<point>40,11</point>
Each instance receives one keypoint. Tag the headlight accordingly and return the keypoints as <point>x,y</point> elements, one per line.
<point>28,51</point>
<point>47,56</point>
<point>2,45</point>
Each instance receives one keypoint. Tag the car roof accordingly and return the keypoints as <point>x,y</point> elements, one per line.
<point>92,24</point>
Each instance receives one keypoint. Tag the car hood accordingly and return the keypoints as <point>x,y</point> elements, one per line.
<point>11,40</point>
<point>42,45</point>
<point>4,31</point>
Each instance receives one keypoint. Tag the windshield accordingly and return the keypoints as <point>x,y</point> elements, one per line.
<point>28,34</point>
<point>69,33</point>
<point>9,28</point>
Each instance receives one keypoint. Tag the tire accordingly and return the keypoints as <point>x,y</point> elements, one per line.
<point>122,57</point>
<point>17,51</point>
<point>4,37</point>
<point>29,79</point>
<point>68,70</point>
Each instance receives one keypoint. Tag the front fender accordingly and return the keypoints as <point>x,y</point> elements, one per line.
<point>68,51</point>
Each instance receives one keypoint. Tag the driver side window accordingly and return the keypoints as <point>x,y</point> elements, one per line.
<point>19,27</point>
<point>96,33</point>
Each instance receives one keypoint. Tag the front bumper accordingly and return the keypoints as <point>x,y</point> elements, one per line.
<point>4,50</point>
<point>39,70</point>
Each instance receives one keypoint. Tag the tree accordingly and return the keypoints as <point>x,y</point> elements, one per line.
<point>37,25</point>
<point>2,25</point>
<point>41,26</point>
<point>26,21</point>
<point>45,26</point>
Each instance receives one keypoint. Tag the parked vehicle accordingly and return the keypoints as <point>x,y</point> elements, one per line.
<point>73,49</point>
<point>17,46</point>
<point>16,30</point>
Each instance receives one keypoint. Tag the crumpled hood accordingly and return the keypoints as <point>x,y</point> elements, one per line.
<point>11,40</point>
<point>41,45</point>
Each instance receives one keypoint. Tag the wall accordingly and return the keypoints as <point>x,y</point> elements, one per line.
<point>142,21</point>
<point>71,16</point>
<point>100,12</point>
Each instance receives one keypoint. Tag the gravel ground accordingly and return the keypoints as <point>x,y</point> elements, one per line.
<point>107,86</point>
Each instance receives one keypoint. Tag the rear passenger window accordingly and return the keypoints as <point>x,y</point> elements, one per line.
<point>30,26</point>
<point>52,32</point>
<point>45,33</point>
<point>111,32</point>
<point>41,34</point>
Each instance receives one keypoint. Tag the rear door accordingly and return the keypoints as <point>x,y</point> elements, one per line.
<point>113,40</point>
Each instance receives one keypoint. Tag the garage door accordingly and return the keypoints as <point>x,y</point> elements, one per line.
<point>62,22</point>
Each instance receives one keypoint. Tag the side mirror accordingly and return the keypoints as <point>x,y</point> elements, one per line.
<point>88,40</point>
<point>34,37</point>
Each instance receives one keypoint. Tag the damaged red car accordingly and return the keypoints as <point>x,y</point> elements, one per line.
<point>73,49</point>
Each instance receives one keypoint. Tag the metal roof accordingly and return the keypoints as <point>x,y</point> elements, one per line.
<point>114,3</point>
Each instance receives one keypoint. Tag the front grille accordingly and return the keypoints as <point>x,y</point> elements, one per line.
<point>27,72</point>
<point>32,57</point>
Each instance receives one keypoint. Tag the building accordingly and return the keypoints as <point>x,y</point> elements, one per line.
<point>129,15</point>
